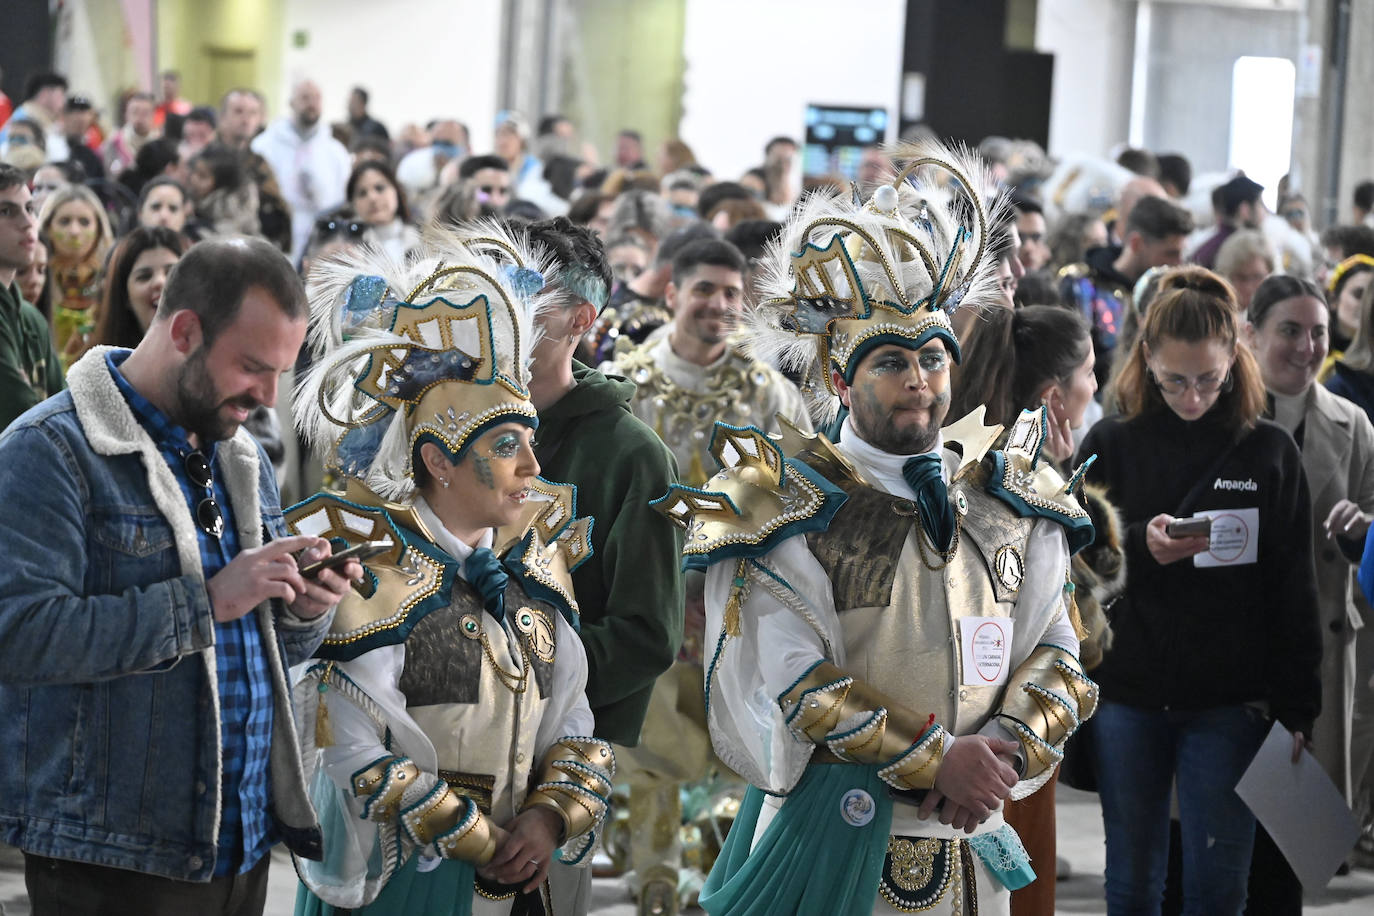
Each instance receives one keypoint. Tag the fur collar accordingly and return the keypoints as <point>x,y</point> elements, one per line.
<point>112,429</point>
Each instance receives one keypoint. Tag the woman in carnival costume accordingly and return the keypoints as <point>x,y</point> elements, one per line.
<point>447,704</point>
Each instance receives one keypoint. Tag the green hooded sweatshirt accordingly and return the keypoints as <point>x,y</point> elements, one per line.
<point>630,591</point>
<point>29,369</point>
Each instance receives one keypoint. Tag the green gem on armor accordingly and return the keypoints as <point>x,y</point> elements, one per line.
<point>1069,587</point>
<point>470,626</point>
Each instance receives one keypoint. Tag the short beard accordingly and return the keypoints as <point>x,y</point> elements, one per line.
<point>877,429</point>
<point>199,404</point>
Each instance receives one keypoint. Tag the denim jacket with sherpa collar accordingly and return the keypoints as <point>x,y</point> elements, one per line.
<point>109,707</point>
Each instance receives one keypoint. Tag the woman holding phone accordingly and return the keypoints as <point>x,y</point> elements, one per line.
<point>1215,636</point>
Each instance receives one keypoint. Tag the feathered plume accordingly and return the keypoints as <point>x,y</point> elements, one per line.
<point>438,344</point>
<point>916,248</point>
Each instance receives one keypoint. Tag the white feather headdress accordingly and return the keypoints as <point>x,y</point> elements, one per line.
<point>846,276</point>
<point>435,347</point>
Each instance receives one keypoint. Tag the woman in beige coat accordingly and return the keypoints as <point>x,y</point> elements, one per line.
<point>1288,331</point>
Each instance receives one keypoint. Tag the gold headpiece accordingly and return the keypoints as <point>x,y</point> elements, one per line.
<point>442,364</point>
<point>846,276</point>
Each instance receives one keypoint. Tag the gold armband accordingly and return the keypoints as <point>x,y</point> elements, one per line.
<point>859,724</point>
<point>382,783</point>
<point>1053,699</point>
<point>575,783</point>
<point>453,823</point>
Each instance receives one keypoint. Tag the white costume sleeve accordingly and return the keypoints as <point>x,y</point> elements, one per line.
<point>787,624</point>
<point>568,714</point>
<point>1041,614</point>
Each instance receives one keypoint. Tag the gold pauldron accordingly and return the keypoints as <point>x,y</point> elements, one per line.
<point>452,823</point>
<point>859,724</point>
<point>382,783</point>
<point>575,782</point>
<point>1054,698</point>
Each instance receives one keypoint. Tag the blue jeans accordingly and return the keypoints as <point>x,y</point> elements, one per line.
<point>1139,755</point>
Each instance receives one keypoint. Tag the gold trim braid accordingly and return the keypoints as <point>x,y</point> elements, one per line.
<point>383,783</point>
<point>860,725</point>
<point>575,783</point>
<point>1055,697</point>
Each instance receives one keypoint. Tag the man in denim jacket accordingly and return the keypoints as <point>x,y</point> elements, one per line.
<point>150,604</point>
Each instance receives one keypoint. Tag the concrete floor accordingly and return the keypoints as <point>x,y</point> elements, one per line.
<point>1080,842</point>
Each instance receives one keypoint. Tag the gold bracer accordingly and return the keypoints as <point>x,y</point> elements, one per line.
<point>453,823</point>
<point>382,783</point>
<point>1054,698</point>
<point>575,782</point>
<point>859,724</point>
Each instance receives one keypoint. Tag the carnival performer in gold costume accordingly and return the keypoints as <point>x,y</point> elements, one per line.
<point>450,760</point>
<point>890,638</point>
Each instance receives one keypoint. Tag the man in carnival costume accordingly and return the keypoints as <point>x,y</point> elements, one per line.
<point>891,648</point>
<point>688,378</point>
<point>451,750</point>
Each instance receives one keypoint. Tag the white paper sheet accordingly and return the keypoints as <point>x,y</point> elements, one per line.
<point>1301,808</point>
<point>986,645</point>
<point>1235,538</point>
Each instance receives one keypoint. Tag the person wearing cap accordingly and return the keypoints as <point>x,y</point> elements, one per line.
<point>891,634</point>
<point>78,121</point>
<point>1241,208</point>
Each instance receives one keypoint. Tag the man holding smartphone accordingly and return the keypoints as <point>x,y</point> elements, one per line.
<point>151,604</point>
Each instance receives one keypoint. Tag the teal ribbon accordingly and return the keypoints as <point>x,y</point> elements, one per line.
<point>922,474</point>
<point>484,572</point>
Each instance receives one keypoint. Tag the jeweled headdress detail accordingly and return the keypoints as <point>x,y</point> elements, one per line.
<point>846,276</point>
<point>432,349</point>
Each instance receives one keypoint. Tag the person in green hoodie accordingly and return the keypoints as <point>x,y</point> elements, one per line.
<point>631,590</point>
<point>29,370</point>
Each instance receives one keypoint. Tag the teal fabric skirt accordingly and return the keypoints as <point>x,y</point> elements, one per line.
<point>822,854</point>
<point>445,891</point>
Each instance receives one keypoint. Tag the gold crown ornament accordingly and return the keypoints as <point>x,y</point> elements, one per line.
<point>434,348</point>
<point>846,276</point>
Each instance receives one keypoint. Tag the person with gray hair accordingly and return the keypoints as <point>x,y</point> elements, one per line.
<point>1245,259</point>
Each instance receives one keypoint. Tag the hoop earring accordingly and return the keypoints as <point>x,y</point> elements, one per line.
<point>443,482</point>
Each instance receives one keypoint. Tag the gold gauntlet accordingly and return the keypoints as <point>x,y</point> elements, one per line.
<point>382,783</point>
<point>1054,698</point>
<point>575,782</point>
<point>859,724</point>
<point>453,823</point>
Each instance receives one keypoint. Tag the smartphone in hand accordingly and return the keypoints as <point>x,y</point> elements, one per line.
<point>362,551</point>
<point>1199,526</point>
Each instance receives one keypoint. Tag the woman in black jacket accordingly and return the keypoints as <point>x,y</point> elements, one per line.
<point>1215,636</point>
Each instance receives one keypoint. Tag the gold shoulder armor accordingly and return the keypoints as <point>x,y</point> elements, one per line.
<point>395,583</point>
<point>757,499</point>
<point>548,542</point>
<point>1033,487</point>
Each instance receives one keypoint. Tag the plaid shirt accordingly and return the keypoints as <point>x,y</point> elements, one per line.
<point>247,831</point>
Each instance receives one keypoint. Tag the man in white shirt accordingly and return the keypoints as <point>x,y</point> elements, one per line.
<point>311,166</point>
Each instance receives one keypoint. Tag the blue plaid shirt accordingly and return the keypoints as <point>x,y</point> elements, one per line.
<point>246,830</point>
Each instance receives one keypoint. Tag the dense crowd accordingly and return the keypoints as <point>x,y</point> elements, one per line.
<point>1215,354</point>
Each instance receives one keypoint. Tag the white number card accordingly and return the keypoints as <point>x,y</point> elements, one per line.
<point>1235,538</point>
<point>986,643</point>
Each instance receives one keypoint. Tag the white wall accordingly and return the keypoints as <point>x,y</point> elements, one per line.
<point>418,59</point>
<point>1092,42</point>
<point>752,68</point>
